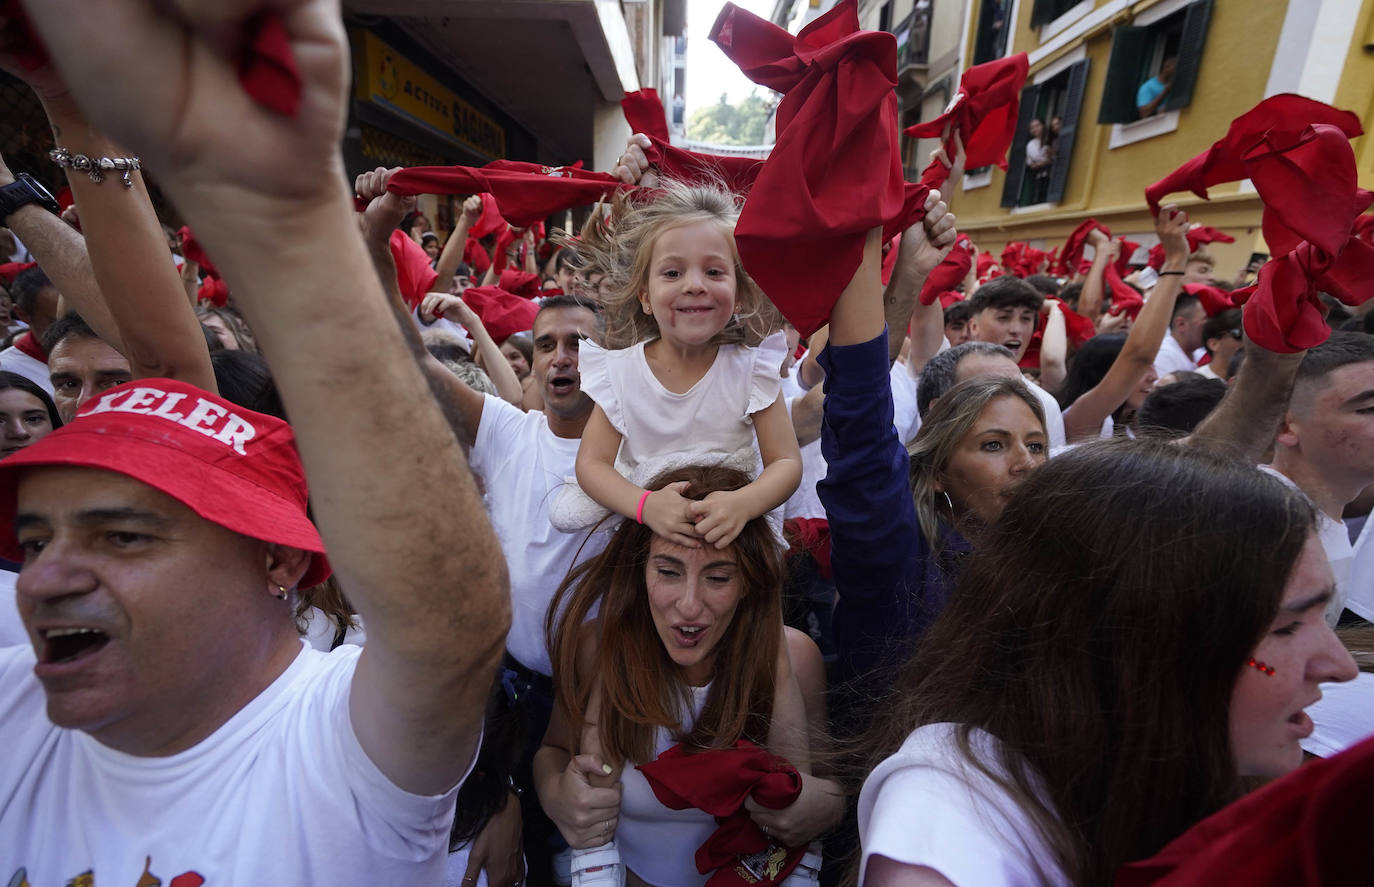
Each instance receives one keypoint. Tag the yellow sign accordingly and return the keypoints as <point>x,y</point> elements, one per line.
<point>387,78</point>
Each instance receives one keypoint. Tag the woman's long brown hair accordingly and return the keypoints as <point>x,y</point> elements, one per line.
<point>642,688</point>
<point>1097,632</point>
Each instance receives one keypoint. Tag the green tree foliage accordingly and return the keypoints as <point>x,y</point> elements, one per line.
<point>726,124</point>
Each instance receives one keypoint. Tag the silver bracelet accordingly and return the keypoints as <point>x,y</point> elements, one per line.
<point>96,167</point>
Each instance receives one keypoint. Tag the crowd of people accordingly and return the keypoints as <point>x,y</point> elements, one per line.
<point>345,550</point>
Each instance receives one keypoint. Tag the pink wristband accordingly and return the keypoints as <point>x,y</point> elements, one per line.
<point>639,512</point>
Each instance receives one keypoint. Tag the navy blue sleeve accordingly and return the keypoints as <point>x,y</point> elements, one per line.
<point>875,540</point>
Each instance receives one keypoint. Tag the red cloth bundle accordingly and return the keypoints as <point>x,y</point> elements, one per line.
<point>413,272</point>
<point>1214,299</point>
<point>1123,296</point>
<point>11,270</point>
<point>810,535</point>
<point>718,781</point>
<point>987,267</point>
<point>1364,228</point>
<point>1156,256</point>
<point>520,283</point>
<point>266,66</point>
<point>949,297</point>
<point>1022,260</point>
<point>644,112</point>
<point>1200,234</point>
<point>1123,257</point>
<point>501,255</point>
<point>950,272</point>
<point>476,257</point>
<point>490,221</point>
<point>891,250</point>
<point>194,252</point>
<point>214,291</point>
<point>1280,119</point>
<point>983,112</point>
<point>835,171</point>
<point>1305,830</point>
<point>502,313</point>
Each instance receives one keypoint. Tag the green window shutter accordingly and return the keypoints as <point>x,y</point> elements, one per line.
<point>1043,12</point>
<point>1195,21</point>
<point>1016,157</point>
<point>1068,131</point>
<point>1124,75</point>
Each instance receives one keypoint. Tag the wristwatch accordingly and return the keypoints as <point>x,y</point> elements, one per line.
<point>23,191</point>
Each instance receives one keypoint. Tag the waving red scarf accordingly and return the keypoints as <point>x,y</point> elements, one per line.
<point>644,112</point>
<point>413,272</point>
<point>835,171</point>
<point>1124,297</point>
<point>1297,152</point>
<point>950,272</point>
<point>502,312</point>
<point>718,782</point>
<point>983,112</point>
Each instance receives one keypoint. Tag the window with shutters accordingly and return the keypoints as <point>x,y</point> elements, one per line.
<point>1154,64</point>
<point>1040,157</point>
<point>994,22</point>
<point>1053,16</point>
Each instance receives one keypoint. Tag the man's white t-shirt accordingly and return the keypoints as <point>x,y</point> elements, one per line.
<point>282,793</point>
<point>12,631</point>
<point>522,463</point>
<point>1360,598</point>
<point>905,417</point>
<point>1335,539</point>
<point>927,805</point>
<point>36,371</point>
<point>1054,416</point>
<point>1171,358</point>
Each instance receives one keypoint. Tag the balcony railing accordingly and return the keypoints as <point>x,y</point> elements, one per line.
<point>913,37</point>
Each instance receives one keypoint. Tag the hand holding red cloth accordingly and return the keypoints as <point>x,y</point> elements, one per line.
<point>520,283</point>
<point>1213,299</point>
<point>984,112</point>
<point>987,266</point>
<point>950,272</point>
<point>1308,829</point>
<point>502,313</point>
<point>414,275</point>
<point>717,781</point>
<point>644,112</point>
<point>1124,297</point>
<point>835,171</point>
<point>1200,234</point>
<point>490,221</point>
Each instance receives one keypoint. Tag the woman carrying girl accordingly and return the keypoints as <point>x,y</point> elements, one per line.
<point>686,646</point>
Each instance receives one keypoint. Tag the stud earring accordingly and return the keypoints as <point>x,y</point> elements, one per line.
<point>1260,666</point>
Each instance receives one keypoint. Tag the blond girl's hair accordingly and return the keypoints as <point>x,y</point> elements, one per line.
<point>619,241</point>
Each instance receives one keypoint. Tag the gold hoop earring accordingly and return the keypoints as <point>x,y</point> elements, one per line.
<point>282,593</point>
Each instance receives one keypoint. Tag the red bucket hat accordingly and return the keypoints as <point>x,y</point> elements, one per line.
<point>231,466</point>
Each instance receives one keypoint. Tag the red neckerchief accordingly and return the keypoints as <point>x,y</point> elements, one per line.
<point>29,345</point>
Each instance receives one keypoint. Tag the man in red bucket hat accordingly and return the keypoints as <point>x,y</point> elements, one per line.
<point>167,724</point>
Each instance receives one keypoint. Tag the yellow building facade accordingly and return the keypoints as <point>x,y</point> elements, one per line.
<point>1087,62</point>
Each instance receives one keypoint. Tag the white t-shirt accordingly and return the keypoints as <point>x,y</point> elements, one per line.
<point>905,417</point>
<point>710,423</point>
<point>1171,358</point>
<point>1343,717</point>
<point>927,805</point>
<point>1054,416</point>
<point>522,463</point>
<point>36,371</point>
<point>1036,152</point>
<point>1359,597</point>
<point>1335,539</point>
<point>804,503</point>
<point>12,631</point>
<point>282,793</point>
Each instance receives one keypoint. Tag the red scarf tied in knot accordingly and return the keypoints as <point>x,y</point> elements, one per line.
<point>1297,152</point>
<point>1123,296</point>
<point>835,171</point>
<point>983,112</point>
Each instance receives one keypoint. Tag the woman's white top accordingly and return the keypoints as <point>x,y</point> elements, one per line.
<point>656,843</point>
<point>927,805</point>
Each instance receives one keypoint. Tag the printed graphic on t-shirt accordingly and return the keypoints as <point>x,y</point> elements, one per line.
<point>87,878</point>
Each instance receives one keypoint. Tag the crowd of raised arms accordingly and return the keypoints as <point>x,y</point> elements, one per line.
<point>763,530</point>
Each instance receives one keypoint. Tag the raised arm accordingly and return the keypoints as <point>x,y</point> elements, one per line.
<point>452,254</point>
<point>494,363</point>
<point>1084,417</point>
<point>155,325</point>
<point>1094,285</point>
<point>1245,422</point>
<point>924,245</point>
<point>395,503</point>
<point>1054,348</point>
<point>462,406</point>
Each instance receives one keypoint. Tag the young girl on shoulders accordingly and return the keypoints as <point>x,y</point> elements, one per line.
<point>688,377</point>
